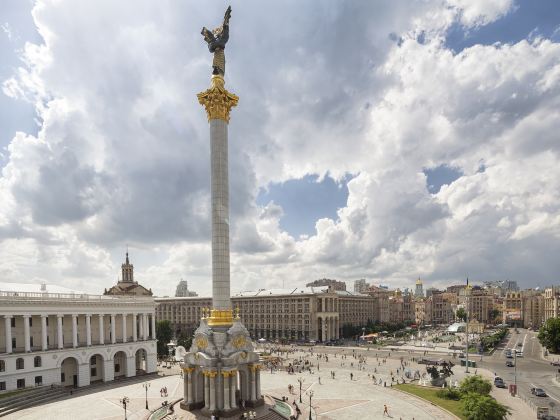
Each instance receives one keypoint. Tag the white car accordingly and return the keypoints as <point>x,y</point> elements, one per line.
<point>519,353</point>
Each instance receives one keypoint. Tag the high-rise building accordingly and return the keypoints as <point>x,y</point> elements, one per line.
<point>360,286</point>
<point>183,290</point>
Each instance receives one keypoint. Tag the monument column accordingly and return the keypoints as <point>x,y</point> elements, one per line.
<point>218,102</point>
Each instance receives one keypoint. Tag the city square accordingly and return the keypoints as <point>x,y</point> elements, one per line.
<point>320,210</point>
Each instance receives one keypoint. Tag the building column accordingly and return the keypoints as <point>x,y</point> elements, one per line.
<point>153,325</point>
<point>226,375</point>
<point>145,327</point>
<point>8,332</point>
<point>206,391</point>
<point>258,383</point>
<point>88,330</point>
<point>26,335</point>
<point>212,391</point>
<point>140,326</point>
<point>124,328</point>
<point>113,330</point>
<point>44,345</point>
<point>134,327</point>
<point>232,389</point>
<point>74,330</point>
<point>253,383</point>
<point>59,336</point>
<point>101,329</point>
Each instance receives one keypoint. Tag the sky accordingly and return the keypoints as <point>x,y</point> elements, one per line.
<point>385,140</point>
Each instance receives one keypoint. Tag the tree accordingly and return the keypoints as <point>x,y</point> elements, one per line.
<point>475,384</point>
<point>184,340</point>
<point>549,335</point>
<point>483,407</point>
<point>461,314</point>
<point>494,314</point>
<point>163,336</point>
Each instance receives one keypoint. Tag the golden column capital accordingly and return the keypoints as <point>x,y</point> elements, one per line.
<point>217,100</point>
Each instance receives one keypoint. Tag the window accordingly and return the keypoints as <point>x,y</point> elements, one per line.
<point>30,321</point>
<point>13,342</point>
<point>38,380</point>
<point>2,366</point>
<point>31,341</point>
<point>93,372</point>
<point>20,383</point>
<point>92,361</point>
<point>13,320</point>
<point>47,320</point>
<point>20,364</point>
<point>62,377</point>
<point>37,361</point>
<point>117,367</point>
<point>2,386</point>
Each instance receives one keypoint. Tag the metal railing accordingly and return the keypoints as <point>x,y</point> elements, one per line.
<point>70,296</point>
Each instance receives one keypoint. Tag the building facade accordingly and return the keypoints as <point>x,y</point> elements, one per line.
<point>73,339</point>
<point>299,314</point>
<point>126,285</point>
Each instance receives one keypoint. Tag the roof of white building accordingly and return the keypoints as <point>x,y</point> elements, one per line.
<point>36,288</point>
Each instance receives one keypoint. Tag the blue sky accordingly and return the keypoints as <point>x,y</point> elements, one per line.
<point>113,146</point>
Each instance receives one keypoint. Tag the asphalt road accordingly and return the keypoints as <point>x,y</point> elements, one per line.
<point>532,370</point>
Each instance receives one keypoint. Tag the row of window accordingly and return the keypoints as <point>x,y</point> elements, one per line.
<point>20,363</point>
<point>21,383</point>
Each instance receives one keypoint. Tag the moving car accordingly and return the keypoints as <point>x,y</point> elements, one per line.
<point>509,363</point>
<point>499,382</point>
<point>519,353</point>
<point>539,392</point>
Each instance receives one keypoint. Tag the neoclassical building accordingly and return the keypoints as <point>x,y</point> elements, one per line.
<point>52,335</point>
<point>310,313</point>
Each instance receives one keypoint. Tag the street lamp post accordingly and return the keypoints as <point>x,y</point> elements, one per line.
<point>146,385</point>
<point>467,327</point>
<point>310,396</point>
<point>124,401</point>
<point>301,381</point>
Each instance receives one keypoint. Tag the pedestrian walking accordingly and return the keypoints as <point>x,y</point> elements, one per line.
<point>385,410</point>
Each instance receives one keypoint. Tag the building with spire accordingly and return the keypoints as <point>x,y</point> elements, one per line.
<point>419,291</point>
<point>126,285</point>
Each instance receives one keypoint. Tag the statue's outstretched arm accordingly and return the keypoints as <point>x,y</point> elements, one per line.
<point>227,15</point>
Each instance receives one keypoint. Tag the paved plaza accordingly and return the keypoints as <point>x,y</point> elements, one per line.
<point>338,398</point>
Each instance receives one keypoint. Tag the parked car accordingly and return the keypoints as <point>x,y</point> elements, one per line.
<point>509,356</point>
<point>555,363</point>
<point>519,353</point>
<point>539,392</point>
<point>499,382</point>
<point>549,417</point>
<point>519,344</point>
<point>509,363</point>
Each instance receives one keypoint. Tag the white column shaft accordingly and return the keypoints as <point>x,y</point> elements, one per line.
<point>144,327</point>
<point>212,393</point>
<point>134,327</point>
<point>226,393</point>
<point>74,331</point>
<point>153,326</point>
<point>220,214</point>
<point>88,330</point>
<point>8,333</point>
<point>59,336</point>
<point>26,335</point>
<point>206,392</point>
<point>44,345</point>
<point>232,389</point>
<point>101,330</point>
<point>113,330</point>
<point>124,328</point>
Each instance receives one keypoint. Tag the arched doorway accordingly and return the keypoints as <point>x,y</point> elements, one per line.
<point>141,361</point>
<point>119,359</point>
<point>69,372</point>
<point>96,368</point>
